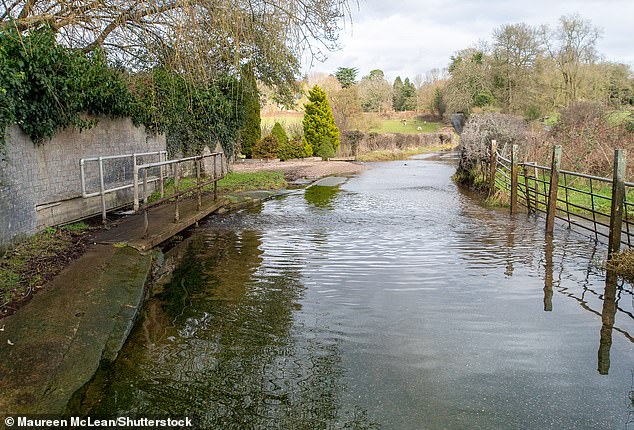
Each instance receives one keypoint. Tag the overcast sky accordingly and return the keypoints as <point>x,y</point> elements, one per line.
<point>407,37</point>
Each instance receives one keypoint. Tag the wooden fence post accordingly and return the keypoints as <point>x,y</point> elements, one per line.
<point>493,165</point>
<point>553,187</point>
<point>514,174</point>
<point>618,195</point>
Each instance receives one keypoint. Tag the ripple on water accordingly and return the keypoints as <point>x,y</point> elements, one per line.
<point>392,301</point>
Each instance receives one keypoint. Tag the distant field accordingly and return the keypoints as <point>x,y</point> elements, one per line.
<point>294,119</point>
<point>286,119</point>
<point>395,126</point>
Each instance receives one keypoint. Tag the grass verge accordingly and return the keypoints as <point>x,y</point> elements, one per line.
<point>390,155</point>
<point>233,182</point>
<point>30,264</point>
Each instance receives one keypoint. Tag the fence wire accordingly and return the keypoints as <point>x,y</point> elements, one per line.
<point>583,201</point>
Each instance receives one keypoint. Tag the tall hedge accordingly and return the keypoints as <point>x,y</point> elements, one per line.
<point>45,87</point>
<point>319,122</point>
<point>251,131</point>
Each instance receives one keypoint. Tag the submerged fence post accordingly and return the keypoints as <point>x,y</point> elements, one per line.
<point>493,165</point>
<point>618,195</point>
<point>514,175</point>
<point>553,187</point>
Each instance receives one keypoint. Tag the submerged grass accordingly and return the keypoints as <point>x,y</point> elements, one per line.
<point>28,265</point>
<point>401,154</point>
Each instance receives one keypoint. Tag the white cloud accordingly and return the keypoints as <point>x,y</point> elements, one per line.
<point>409,37</point>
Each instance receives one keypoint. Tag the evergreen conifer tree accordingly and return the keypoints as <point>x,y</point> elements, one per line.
<point>319,122</point>
<point>251,131</point>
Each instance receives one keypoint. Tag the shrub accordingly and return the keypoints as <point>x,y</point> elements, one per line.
<point>278,132</point>
<point>292,149</point>
<point>325,149</point>
<point>266,148</point>
<point>46,87</point>
<point>480,129</point>
<point>588,138</point>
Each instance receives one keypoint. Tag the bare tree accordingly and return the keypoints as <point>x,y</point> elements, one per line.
<point>570,45</point>
<point>199,36</point>
<point>515,51</point>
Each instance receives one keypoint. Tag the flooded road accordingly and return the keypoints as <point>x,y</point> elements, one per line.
<point>392,301</point>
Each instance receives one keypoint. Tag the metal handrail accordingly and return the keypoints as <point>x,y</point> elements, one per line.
<point>102,187</point>
<point>175,163</point>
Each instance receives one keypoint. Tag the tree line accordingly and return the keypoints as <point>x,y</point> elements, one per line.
<point>529,71</point>
<point>532,71</point>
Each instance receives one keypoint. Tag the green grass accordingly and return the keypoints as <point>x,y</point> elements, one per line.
<point>233,182</point>
<point>388,155</point>
<point>395,126</point>
<point>29,264</point>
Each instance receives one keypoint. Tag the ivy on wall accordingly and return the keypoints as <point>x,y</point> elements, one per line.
<point>45,87</point>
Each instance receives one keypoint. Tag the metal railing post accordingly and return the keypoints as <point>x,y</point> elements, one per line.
<point>536,186</point>
<point>215,180</point>
<point>526,188</point>
<point>618,196</point>
<point>199,196</point>
<point>135,180</point>
<point>514,176</point>
<point>102,188</point>
<point>162,174</point>
<point>553,187</point>
<point>145,196</point>
<point>176,209</point>
<point>493,166</point>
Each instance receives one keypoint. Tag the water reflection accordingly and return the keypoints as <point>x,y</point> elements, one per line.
<point>219,343</point>
<point>548,273</point>
<point>394,299</point>
<point>321,196</point>
<point>607,318</point>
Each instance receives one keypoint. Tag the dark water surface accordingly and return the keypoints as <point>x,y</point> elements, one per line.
<point>393,301</point>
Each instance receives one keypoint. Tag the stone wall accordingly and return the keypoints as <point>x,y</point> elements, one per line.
<point>40,185</point>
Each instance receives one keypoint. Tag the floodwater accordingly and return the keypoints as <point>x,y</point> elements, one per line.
<point>392,301</point>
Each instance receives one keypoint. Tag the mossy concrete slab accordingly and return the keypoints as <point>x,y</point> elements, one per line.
<point>54,345</point>
<point>330,181</point>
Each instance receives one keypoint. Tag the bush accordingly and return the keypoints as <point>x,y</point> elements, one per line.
<point>266,148</point>
<point>325,149</point>
<point>292,149</point>
<point>588,138</point>
<point>278,132</point>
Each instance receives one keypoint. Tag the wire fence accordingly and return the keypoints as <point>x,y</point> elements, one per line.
<point>601,207</point>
